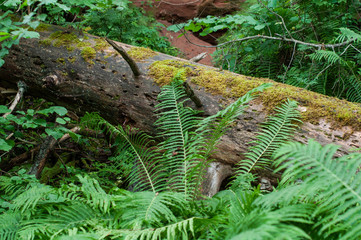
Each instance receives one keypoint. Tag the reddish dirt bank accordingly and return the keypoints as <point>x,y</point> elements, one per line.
<point>169,12</point>
<point>188,49</point>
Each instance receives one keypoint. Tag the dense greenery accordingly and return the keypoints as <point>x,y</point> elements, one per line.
<point>145,187</point>
<point>318,197</point>
<point>280,45</point>
<point>118,20</point>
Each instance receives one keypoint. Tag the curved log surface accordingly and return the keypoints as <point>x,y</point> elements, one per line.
<point>104,83</point>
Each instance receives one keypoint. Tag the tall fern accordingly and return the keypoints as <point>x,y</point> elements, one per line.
<point>332,183</point>
<point>176,123</point>
<point>277,130</point>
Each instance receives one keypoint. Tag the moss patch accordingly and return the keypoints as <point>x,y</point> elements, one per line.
<point>88,53</point>
<point>45,42</point>
<point>43,27</point>
<point>339,112</point>
<point>60,60</point>
<point>63,39</point>
<point>140,53</point>
<point>83,44</point>
<point>100,44</point>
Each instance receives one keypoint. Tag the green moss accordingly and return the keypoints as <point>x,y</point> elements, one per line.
<point>83,44</point>
<point>88,53</point>
<point>60,60</point>
<point>338,112</point>
<point>46,42</point>
<point>100,44</point>
<point>140,53</point>
<point>164,71</point>
<point>63,39</point>
<point>42,27</point>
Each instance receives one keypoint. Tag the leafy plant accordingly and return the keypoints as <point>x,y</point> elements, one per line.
<point>276,131</point>
<point>179,160</point>
<point>314,44</point>
<point>30,119</point>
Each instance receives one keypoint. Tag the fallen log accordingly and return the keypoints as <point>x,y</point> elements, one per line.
<point>86,74</point>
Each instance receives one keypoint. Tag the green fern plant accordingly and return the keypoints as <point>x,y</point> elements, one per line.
<point>276,131</point>
<point>313,174</point>
<point>178,162</point>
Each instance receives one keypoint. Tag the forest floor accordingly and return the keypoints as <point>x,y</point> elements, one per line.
<point>188,50</point>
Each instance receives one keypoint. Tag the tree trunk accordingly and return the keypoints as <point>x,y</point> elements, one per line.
<point>68,72</point>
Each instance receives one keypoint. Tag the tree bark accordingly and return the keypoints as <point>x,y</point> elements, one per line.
<point>107,85</point>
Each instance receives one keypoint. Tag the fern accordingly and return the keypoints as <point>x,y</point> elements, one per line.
<point>10,223</point>
<point>175,124</point>
<point>95,195</point>
<point>276,131</point>
<point>182,229</point>
<point>148,209</point>
<point>147,172</point>
<point>333,183</point>
<point>330,56</point>
<point>354,89</point>
<point>348,34</point>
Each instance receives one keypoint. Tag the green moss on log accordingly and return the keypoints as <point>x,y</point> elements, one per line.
<point>338,112</point>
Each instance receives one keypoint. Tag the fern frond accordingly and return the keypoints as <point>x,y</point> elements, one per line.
<point>335,181</point>
<point>148,209</point>
<point>354,89</point>
<point>95,195</point>
<point>214,127</point>
<point>35,194</point>
<point>348,34</point>
<point>76,216</point>
<point>246,220</point>
<point>330,56</point>
<point>260,224</point>
<point>175,124</point>
<point>147,170</point>
<point>182,229</point>
<point>276,131</point>
<point>10,223</point>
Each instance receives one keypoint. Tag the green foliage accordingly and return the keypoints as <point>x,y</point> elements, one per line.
<point>130,26</point>
<point>178,162</point>
<point>276,131</point>
<point>318,198</point>
<point>116,19</point>
<point>331,182</point>
<point>30,120</point>
<point>328,70</point>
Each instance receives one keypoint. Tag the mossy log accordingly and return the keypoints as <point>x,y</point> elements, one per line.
<point>85,74</point>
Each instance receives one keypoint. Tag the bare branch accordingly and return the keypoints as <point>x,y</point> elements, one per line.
<point>132,64</point>
<point>18,97</point>
<point>317,45</point>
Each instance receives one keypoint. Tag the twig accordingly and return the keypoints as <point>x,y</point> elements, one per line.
<point>275,38</point>
<point>289,64</point>
<point>198,57</point>
<point>22,88</point>
<point>133,65</point>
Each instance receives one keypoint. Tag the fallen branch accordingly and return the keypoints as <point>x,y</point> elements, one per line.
<point>317,45</point>
<point>18,97</point>
<point>133,65</point>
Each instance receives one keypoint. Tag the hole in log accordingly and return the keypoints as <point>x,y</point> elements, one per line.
<point>225,183</point>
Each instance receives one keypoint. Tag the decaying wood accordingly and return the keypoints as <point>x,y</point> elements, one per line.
<point>109,87</point>
<point>18,97</point>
